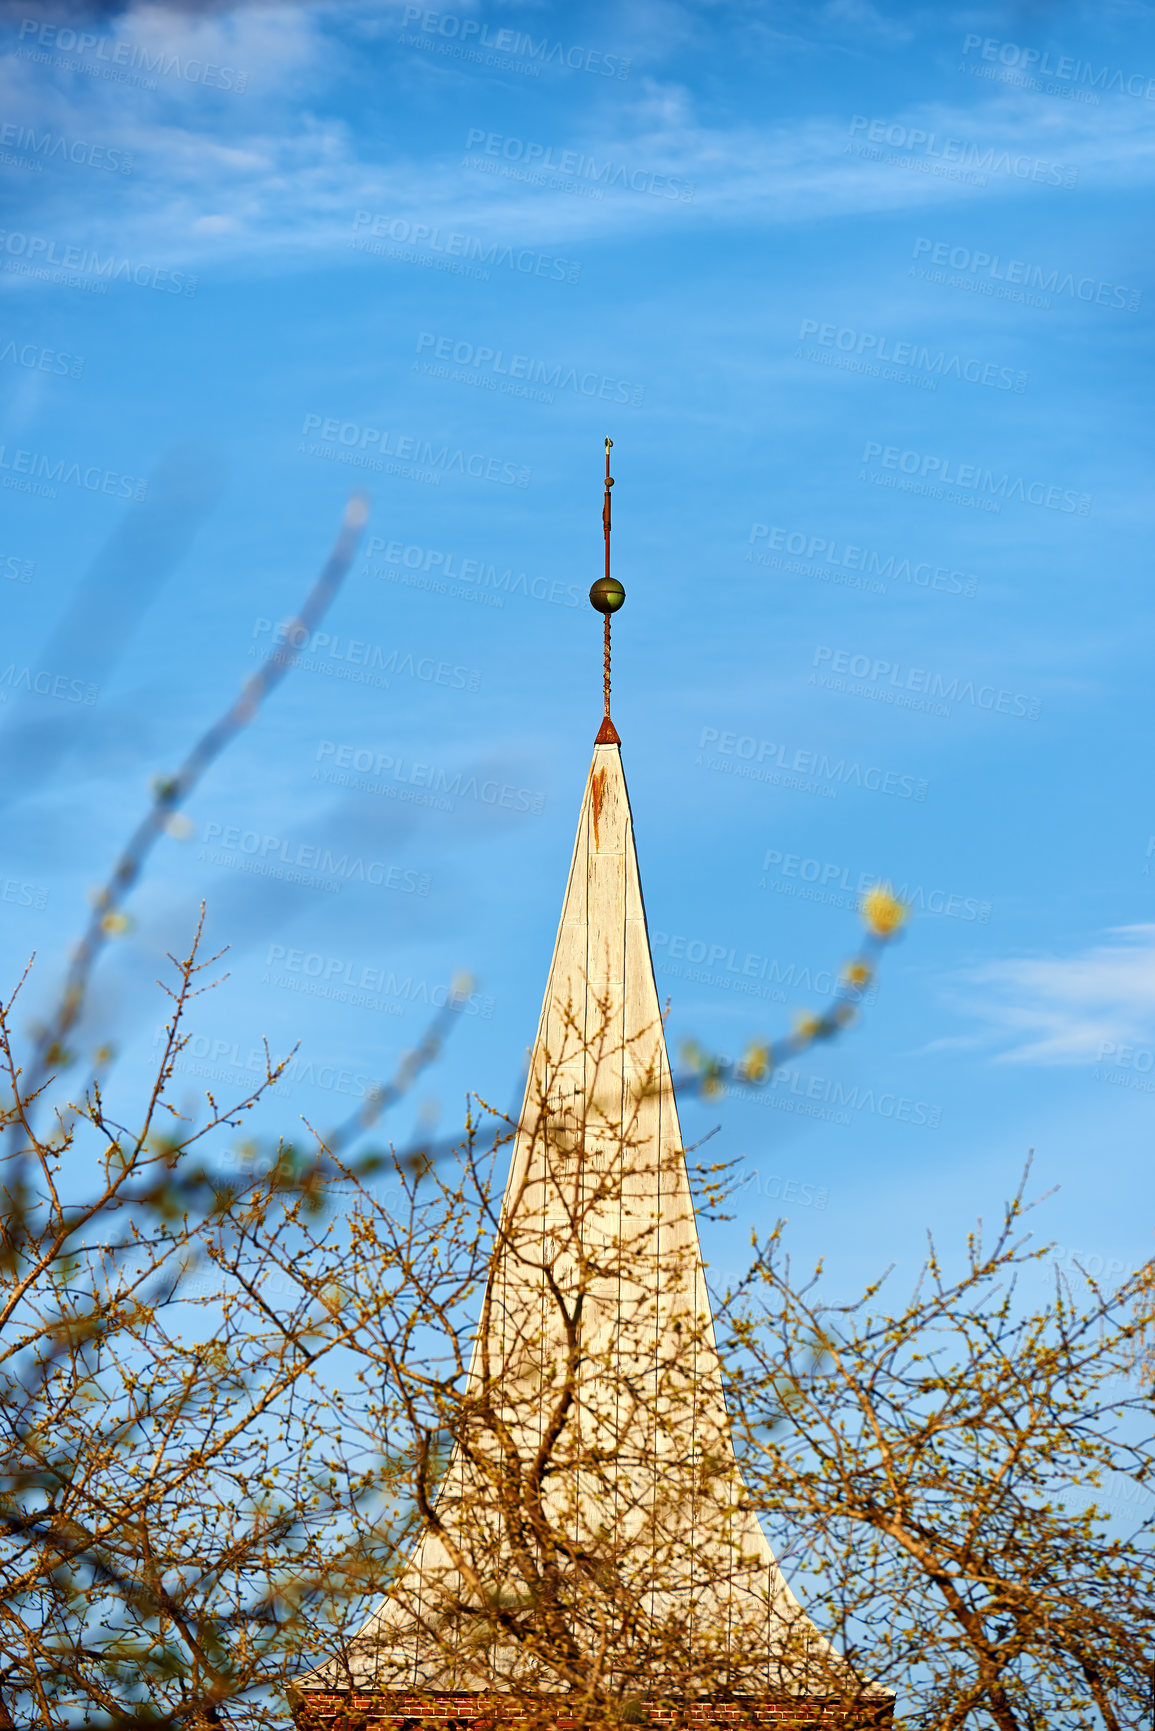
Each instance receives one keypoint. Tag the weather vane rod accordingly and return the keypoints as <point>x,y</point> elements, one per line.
<point>607,596</point>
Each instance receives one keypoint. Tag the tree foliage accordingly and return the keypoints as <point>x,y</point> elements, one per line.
<point>944,1469</point>
<point>229,1405</point>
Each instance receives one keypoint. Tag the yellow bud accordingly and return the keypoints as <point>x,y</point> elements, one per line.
<point>756,1063</point>
<point>882,910</point>
<point>116,924</point>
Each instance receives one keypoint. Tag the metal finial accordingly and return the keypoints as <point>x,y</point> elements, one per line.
<point>607,595</point>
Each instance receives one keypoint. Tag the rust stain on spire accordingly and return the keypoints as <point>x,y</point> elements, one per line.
<point>598,793</point>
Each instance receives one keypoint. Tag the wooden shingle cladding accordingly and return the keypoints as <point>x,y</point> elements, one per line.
<point>644,1480</point>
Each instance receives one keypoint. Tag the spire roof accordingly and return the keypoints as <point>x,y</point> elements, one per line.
<point>592,1529</point>
<point>640,1472</point>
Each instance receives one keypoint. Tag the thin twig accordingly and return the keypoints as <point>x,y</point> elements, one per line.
<point>708,1075</point>
<point>384,1095</point>
<point>172,792</point>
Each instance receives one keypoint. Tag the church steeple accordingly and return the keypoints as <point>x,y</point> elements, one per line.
<point>592,1518</point>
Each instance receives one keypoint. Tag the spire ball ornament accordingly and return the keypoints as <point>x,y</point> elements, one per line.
<point>606,595</point>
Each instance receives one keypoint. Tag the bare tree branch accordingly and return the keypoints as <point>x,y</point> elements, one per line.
<point>49,1052</point>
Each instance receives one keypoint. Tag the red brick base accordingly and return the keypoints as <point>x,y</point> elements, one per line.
<point>387,1710</point>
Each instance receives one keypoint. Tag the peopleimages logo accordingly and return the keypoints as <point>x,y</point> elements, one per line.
<point>14,569</point>
<point>841,886</point>
<point>384,773</point>
<point>956,155</point>
<point>38,359</point>
<point>888,678</point>
<point>36,254</point>
<point>24,894</point>
<point>368,441</point>
<point>582,167</point>
<point>336,975</point>
<point>1064,66</point>
<point>1016,272</point>
<point>1127,1057</point>
<point>53,145</point>
<point>437,568</point>
<point>111,55</point>
<point>917,355</point>
<point>847,557</point>
<point>309,863</point>
<point>521,375</point>
<point>763,760</point>
<point>779,1189</point>
<point>850,1097</point>
<point>46,684</point>
<point>462,252</point>
<point>471,34</point>
<point>357,659</point>
<point>942,472</point>
<point>32,472</point>
<point>759,976</point>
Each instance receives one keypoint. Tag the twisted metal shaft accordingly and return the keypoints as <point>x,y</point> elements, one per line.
<point>606,528</point>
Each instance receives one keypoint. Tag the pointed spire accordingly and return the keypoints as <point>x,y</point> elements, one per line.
<point>642,1471</point>
<point>593,1481</point>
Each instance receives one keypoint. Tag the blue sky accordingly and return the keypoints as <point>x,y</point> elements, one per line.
<point>863,296</point>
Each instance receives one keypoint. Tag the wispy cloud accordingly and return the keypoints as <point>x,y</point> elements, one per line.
<point>233,178</point>
<point>1064,1009</point>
